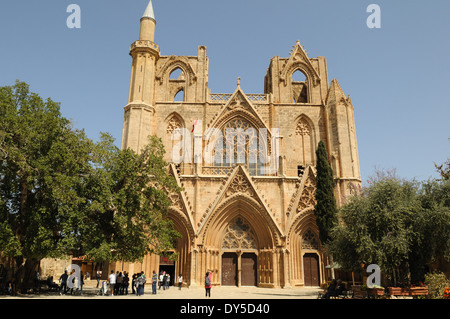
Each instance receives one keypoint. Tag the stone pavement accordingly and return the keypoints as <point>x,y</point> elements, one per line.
<point>90,291</point>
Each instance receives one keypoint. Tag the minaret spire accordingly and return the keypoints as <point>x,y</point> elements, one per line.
<point>149,13</point>
<point>148,24</point>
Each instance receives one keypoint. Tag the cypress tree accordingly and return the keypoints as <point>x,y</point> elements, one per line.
<point>325,208</point>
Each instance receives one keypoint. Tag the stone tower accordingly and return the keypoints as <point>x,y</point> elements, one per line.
<point>246,163</point>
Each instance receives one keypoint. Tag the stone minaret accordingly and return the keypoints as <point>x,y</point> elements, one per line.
<point>140,110</point>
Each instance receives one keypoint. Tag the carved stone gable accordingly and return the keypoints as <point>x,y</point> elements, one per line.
<point>307,197</point>
<point>240,184</point>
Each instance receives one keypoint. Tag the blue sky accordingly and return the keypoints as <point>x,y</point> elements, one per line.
<point>398,76</point>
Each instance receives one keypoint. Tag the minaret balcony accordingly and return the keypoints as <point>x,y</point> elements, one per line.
<point>144,45</point>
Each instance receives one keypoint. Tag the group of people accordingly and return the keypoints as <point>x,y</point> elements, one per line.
<point>71,283</point>
<point>119,283</point>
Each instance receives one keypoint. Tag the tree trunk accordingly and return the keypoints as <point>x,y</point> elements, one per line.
<point>26,274</point>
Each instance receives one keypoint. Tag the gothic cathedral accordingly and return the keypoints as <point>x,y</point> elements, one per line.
<point>246,163</point>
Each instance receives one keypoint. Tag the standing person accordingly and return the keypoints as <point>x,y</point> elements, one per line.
<point>164,280</point>
<point>63,281</point>
<point>99,276</point>
<point>180,281</point>
<point>37,282</point>
<point>154,282</point>
<point>112,282</point>
<point>140,281</point>
<point>80,284</point>
<point>144,280</point>
<point>133,284</point>
<point>208,284</point>
<point>126,281</point>
<point>119,284</point>
<point>168,281</point>
<point>138,284</point>
<point>161,278</point>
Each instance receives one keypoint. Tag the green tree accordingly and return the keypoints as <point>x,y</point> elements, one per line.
<point>127,204</point>
<point>432,226</point>
<point>41,160</point>
<point>400,225</point>
<point>325,208</point>
<point>62,194</point>
<point>444,169</point>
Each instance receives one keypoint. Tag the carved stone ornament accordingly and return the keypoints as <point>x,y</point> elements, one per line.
<point>307,197</point>
<point>239,184</point>
<point>239,235</point>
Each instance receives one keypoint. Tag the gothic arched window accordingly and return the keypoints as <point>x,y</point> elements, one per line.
<point>239,235</point>
<point>299,87</point>
<point>175,135</point>
<point>309,240</point>
<point>305,133</point>
<point>239,145</point>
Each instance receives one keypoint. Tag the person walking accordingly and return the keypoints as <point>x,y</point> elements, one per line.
<point>112,282</point>
<point>154,282</point>
<point>208,284</point>
<point>63,282</point>
<point>180,281</point>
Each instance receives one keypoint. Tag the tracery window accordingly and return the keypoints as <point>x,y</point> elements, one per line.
<point>239,235</point>
<point>305,136</point>
<point>175,131</point>
<point>239,145</point>
<point>309,240</point>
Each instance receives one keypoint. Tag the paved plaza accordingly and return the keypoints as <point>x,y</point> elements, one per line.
<point>90,291</point>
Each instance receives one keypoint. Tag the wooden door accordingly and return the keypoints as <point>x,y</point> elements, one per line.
<point>248,267</point>
<point>311,269</point>
<point>229,269</point>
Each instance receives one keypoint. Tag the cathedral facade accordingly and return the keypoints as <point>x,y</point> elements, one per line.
<point>245,162</point>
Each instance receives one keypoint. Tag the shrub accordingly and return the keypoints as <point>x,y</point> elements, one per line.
<point>436,283</point>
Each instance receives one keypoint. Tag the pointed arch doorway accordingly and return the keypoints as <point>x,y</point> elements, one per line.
<point>239,258</point>
<point>311,269</point>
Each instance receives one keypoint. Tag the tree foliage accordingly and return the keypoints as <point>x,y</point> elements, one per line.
<point>400,225</point>
<point>325,208</point>
<point>62,194</point>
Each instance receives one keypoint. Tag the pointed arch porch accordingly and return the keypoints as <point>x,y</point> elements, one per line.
<point>215,233</point>
<point>303,242</point>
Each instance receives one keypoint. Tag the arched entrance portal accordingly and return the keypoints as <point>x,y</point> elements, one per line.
<point>239,260</point>
<point>238,240</point>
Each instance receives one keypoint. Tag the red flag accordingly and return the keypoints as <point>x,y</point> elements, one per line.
<point>193,126</point>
